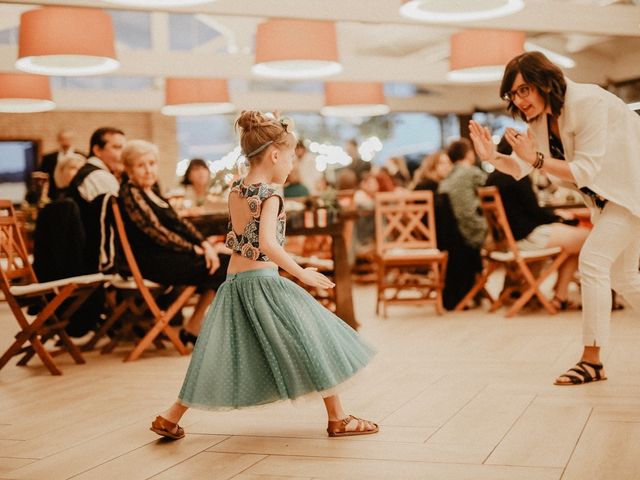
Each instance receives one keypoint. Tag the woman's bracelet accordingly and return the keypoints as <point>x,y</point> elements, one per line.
<point>539,160</point>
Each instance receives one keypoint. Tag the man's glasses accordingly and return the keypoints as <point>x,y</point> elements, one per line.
<point>522,91</point>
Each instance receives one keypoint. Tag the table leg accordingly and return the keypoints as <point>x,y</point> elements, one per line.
<point>344,297</point>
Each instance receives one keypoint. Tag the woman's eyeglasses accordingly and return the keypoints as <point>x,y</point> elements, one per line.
<point>522,91</point>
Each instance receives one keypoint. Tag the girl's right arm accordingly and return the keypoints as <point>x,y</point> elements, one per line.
<point>270,247</point>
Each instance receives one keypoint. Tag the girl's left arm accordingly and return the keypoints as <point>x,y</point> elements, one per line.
<point>270,247</point>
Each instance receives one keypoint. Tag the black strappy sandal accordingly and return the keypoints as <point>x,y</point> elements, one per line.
<point>579,375</point>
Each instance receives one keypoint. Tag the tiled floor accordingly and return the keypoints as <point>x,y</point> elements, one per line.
<point>462,396</point>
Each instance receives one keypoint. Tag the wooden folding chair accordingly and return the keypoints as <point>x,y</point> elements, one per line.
<point>503,251</point>
<point>406,251</point>
<point>140,299</point>
<point>55,301</point>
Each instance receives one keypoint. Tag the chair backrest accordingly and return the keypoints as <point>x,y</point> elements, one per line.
<point>404,220</point>
<point>15,268</point>
<point>499,228</point>
<point>131,259</point>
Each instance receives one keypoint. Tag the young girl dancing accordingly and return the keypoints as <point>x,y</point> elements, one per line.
<point>265,338</point>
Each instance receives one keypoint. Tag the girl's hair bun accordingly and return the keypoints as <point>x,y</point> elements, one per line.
<point>250,119</point>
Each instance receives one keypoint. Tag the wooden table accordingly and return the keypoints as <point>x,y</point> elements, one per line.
<point>216,224</point>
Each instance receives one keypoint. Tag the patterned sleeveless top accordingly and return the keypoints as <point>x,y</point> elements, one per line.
<point>247,243</point>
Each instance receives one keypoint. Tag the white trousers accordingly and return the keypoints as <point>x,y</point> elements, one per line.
<point>608,260</point>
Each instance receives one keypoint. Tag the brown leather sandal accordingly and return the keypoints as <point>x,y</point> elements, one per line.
<point>338,428</point>
<point>165,428</point>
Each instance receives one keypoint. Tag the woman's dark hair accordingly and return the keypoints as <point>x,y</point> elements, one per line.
<point>194,163</point>
<point>459,149</point>
<point>539,72</point>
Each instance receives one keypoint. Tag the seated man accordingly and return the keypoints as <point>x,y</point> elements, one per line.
<point>90,189</point>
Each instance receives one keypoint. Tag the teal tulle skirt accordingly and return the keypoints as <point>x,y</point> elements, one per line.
<point>266,339</point>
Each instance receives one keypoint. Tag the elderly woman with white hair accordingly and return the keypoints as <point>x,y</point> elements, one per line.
<point>66,168</point>
<point>169,249</point>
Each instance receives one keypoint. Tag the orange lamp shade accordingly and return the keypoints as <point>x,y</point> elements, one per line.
<point>296,49</point>
<point>480,55</point>
<point>24,93</point>
<point>196,96</point>
<point>66,41</point>
<point>354,99</point>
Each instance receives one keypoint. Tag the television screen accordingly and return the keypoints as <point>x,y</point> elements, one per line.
<point>17,160</point>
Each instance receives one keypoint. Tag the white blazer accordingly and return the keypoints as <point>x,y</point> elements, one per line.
<point>601,139</point>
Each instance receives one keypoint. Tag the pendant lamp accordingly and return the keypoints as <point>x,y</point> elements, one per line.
<point>295,49</point>
<point>24,93</point>
<point>354,99</point>
<point>481,55</point>
<point>159,3</point>
<point>196,96</point>
<point>66,41</point>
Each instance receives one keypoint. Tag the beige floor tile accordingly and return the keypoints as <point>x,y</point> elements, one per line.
<point>606,450</point>
<point>7,465</point>
<point>353,448</point>
<point>210,465</point>
<point>437,405</point>
<point>483,421</point>
<point>94,452</point>
<point>544,436</point>
<point>352,469</point>
<point>150,459</point>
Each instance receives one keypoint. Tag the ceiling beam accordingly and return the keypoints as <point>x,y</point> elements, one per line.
<point>537,16</point>
<point>152,100</point>
<point>155,63</point>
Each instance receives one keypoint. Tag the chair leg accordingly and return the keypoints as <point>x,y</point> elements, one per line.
<point>534,286</point>
<point>477,287</point>
<point>161,323</point>
<point>46,358</point>
<point>71,347</point>
<point>102,331</point>
<point>439,281</point>
<point>379,287</point>
<point>13,350</point>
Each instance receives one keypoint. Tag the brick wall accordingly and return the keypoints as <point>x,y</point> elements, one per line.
<point>154,127</point>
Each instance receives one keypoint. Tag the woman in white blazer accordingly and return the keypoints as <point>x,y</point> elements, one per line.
<point>586,138</point>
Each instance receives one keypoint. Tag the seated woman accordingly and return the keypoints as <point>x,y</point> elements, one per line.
<point>294,188</point>
<point>535,228</point>
<point>65,170</point>
<point>194,191</point>
<point>433,169</point>
<point>169,250</point>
